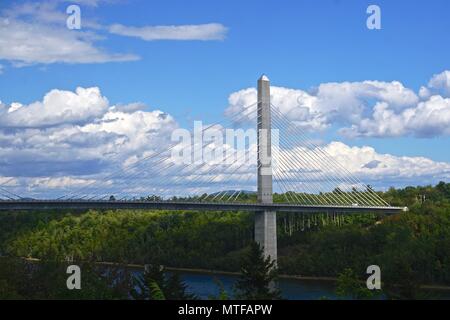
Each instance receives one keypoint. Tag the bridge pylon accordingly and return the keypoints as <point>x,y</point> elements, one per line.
<point>265,221</point>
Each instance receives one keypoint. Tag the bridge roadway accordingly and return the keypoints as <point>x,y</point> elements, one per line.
<point>30,205</point>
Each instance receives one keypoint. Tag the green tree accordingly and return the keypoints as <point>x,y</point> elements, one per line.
<point>259,275</point>
<point>349,286</point>
<point>155,284</point>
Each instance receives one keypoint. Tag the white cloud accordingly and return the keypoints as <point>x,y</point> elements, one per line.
<point>210,31</point>
<point>383,169</point>
<point>427,119</point>
<point>76,133</point>
<point>139,127</point>
<point>57,107</point>
<point>357,95</point>
<point>308,169</point>
<point>440,83</point>
<point>129,108</point>
<point>36,33</point>
<point>362,109</point>
<point>297,105</point>
<point>29,43</point>
<point>37,11</point>
<point>322,168</point>
<point>8,181</point>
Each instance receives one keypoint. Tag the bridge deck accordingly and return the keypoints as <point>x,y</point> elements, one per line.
<point>30,205</point>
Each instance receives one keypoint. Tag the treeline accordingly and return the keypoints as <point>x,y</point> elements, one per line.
<point>411,248</point>
<point>190,239</point>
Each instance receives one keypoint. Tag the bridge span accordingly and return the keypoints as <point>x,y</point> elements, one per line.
<point>30,205</point>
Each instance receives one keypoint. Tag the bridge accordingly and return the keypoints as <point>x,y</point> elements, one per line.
<point>186,206</point>
<point>307,178</point>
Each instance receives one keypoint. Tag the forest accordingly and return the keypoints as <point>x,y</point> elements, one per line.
<point>412,248</point>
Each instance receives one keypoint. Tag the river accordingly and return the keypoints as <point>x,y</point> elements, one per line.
<point>205,285</point>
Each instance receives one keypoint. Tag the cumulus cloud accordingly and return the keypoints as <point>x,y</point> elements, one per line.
<point>129,108</point>
<point>440,83</point>
<point>336,165</point>
<point>57,107</point>
<point>299,106</point>
<point>427,119</point>
<point>362,109</point>
<point>76,133</point>
<point>210,31</point>
<point>138,128</point>
<point>385,169</point>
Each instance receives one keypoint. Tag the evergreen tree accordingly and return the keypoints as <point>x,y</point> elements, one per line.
<point>154,284</point>
<point>348,286</point>
<point>259,275</point>
<point>175,289</point>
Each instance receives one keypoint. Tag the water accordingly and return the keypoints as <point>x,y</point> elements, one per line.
<point>205,285</point>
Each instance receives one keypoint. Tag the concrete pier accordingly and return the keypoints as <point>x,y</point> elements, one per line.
<point>265,221</point>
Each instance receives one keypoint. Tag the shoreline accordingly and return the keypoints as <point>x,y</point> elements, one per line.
<point>282,276</point>
<point>231,273</point>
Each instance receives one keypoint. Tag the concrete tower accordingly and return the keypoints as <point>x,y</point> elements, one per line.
<point>265,221</point>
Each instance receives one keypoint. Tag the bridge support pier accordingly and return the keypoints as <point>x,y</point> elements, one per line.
<point>265,221</point>
<point>266,232</point>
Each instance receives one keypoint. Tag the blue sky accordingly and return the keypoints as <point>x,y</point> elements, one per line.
<point>299,44</point>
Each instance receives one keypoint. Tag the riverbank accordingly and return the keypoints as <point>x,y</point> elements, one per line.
<point>281,276</point>
<point>229,273</point>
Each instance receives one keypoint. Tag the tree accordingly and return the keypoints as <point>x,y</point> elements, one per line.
<point>175,289</point>
<point>349,286</point>
<point>258,278</point>
<point>154,284</point>
<point>223,295</point>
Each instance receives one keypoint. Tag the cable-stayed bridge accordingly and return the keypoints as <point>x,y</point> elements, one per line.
<point>225,166</point>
